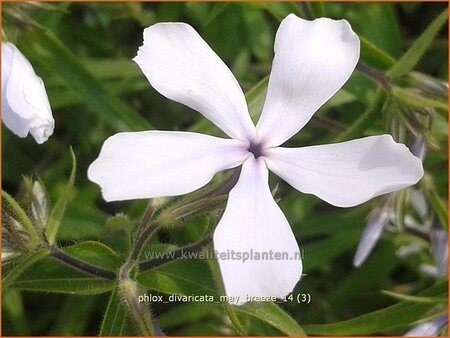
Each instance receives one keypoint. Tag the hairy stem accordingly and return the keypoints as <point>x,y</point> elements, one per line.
<point>374,75</point>
<point>81,266</point>
<point>171,256</point>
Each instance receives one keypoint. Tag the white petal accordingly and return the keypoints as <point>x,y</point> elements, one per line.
<point>254,224</point>
<point>25,106</point>
<point>158,163</point>
<point>181,66</point>
<point>348,173</point>
<point>313,59</point>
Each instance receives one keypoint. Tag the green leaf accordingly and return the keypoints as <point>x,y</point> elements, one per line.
<point>50,275</point>
<point>415,299</point>
<point>409,60</point>
<point>97,254</point>
<point>186,313</point>
<point>115,316</point>
<point>374,56</point>
<point>69,285</point>
<point>109,108</point>
<point>57,213</point>
<point>117,233</point>
<point>183,277</point>
<point>255,98</point>
<point>316,256</point>
<point>273,315</point>
<point>74,323</point>
<point>378,23</point>
<point>13,312</point>
<point>25,262</point>
<point>392,317</point>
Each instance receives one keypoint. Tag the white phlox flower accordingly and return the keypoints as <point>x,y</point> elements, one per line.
<point>313,59</point>
<point>25,105</point>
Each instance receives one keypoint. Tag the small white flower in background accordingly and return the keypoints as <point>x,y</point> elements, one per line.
<point>25,106</point>
<point>313,59</point>
<point>428,329</point>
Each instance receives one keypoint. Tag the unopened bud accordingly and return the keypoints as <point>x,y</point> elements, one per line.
<point>39,206</point>
<point>429,85</point>
<point>14,235</point>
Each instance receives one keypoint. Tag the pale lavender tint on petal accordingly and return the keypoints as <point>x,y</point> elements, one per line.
<point>428,329</point>
<point>348,173</point>
<point>371,234</point>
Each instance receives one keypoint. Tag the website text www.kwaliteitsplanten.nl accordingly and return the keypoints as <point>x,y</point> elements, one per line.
<point>243,256</point>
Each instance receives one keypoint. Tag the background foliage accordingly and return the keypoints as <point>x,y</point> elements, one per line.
<point>83,53</point>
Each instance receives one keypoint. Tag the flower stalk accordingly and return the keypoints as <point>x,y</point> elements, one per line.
<point>80,265</point>
<point>140,311</point>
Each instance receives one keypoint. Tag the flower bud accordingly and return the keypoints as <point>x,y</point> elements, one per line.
<point>39,206</point>
<point>25,105</point>
<point>429,85</point>
<point>14,236</point>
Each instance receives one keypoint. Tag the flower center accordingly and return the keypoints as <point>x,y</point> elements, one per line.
<point>256,149</point>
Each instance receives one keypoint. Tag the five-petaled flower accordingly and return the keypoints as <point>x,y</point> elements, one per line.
<point>25,106</point>
<point>313,59</point>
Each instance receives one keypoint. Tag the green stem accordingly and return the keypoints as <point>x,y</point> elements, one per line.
<point>197,247</point>
<point>140,311</point>
<point>81,266</point>
<point>374,75</point>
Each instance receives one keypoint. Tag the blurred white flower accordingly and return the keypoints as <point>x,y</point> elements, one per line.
<point>25,106</point>
<point>428,329</point>
<point>313,59</point>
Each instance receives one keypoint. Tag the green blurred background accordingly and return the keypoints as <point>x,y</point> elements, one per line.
<point>95,90</point>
